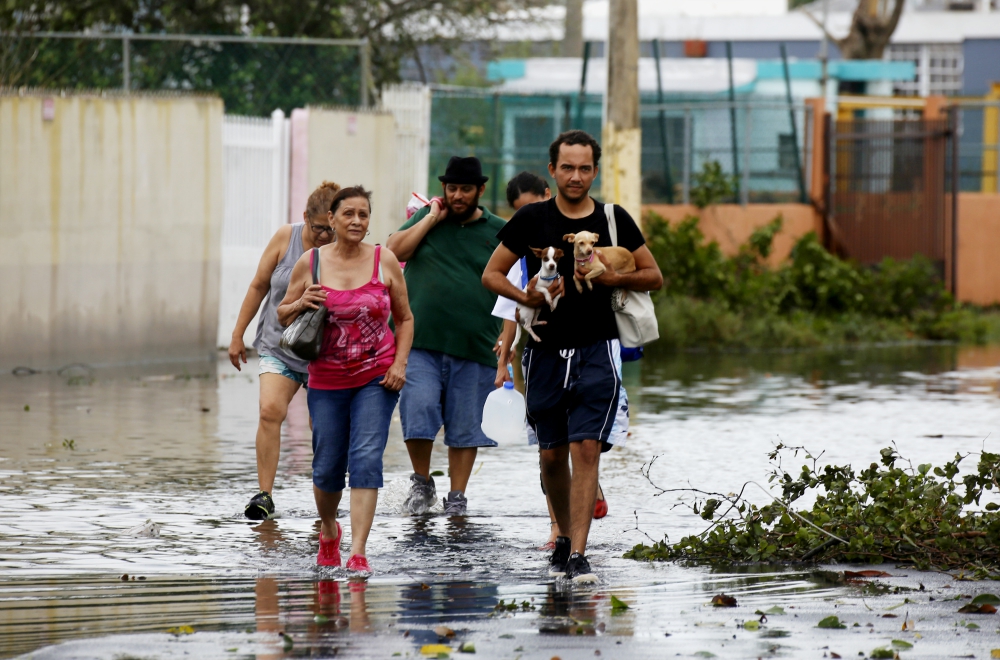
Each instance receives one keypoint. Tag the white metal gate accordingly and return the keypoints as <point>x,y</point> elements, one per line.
<point>410,105</point>
<point>255,153</point>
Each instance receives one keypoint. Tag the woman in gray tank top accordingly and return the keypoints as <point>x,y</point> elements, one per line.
<point>281,372</point>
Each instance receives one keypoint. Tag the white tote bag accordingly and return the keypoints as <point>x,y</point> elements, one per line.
<point>634,310</point>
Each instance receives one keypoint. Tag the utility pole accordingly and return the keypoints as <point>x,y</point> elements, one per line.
<point>572,45</point>
<point>621,171</point>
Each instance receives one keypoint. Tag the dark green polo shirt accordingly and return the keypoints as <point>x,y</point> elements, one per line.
<point>452,310</point>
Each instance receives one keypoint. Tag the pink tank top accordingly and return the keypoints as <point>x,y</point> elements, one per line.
<point>357,343</point>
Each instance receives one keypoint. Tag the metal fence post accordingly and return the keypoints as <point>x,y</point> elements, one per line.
<point>744,190</point>
<point>687,156</point>
<point>366,73</point>
<point>126,64</point>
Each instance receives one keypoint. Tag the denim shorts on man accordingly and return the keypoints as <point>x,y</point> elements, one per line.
<point>350,430</point>
<point>571,394</point>
<point>272,365</point>
<point>442,389</point>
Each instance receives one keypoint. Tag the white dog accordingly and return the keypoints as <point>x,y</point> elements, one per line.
<point>547,274</point>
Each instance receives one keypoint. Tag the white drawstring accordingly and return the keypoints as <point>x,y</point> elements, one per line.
<point>567,354</point>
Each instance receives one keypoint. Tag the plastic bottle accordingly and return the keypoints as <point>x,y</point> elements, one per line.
<point>503,414</point>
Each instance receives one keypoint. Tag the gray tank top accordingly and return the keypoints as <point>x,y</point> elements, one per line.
<point>269,330</point>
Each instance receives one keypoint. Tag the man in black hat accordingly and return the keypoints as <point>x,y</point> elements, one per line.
<point>452,365</point>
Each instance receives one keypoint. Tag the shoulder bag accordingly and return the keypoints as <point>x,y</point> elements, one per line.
<point>634,310</point>
<point>304,337</point>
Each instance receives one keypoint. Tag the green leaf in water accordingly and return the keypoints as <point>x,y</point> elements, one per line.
<point>618,605</point>
<point>704,654</point>
<point>752,624</point>
<point>972,626</point>
<point>437,473</point>
<point>883,653</point>
<point>901,644</point>
<point>830,622</point>
<point>321,619</point>
<point>467,647</point>
<point>986,599</point>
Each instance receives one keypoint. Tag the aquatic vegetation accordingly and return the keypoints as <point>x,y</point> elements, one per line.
<point>923,515</point>
<point>710,300</point>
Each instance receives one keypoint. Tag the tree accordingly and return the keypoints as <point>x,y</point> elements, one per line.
<point>252,79</point>
<point>872,26</point>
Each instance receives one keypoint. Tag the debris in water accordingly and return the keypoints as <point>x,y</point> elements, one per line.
<point>467,647</point>
<point>830,622</point>
<point>148,529</point>
<point>444,631</point>
<point>722,600</point>
<point>618,605</point>
<point>972,608</point>
<point>181,630</point>
<point>27,408</point>
<point>861,575</point>
<point>435,649</point>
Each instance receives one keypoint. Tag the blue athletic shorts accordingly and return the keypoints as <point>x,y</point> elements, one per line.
<point>445,390</point>
<point>350,430</point>
<point>268,364</point>
<point>571,394</point>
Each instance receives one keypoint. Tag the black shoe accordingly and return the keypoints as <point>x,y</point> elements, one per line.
<point>261,506</point>
<point>557,562</point>
<point>578,569</point>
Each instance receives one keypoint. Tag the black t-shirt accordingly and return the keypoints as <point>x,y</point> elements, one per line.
<point>580,319</point>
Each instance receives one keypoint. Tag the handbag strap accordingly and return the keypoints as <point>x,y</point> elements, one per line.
<point>314,264</point>
<point>609,211</point>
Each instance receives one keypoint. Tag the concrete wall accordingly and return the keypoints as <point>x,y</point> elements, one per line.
<point>110,220</point>
<point>978,246</point>
<point>357,147</point>
<point>730,225</point>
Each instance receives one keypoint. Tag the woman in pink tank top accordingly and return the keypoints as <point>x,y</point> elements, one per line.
<point>354,383</point>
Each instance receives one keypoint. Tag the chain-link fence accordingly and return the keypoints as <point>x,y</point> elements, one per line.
<point>253,75</point>
<point>764,156</point>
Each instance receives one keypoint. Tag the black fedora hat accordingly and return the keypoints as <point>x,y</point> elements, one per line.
<point>464,170</point>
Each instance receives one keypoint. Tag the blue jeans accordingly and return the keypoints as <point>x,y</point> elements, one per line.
<point>443,389</point>
<point>350,431</point>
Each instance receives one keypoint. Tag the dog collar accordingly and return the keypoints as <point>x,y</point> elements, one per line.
<point>549,279</point>
<point>587,260</point>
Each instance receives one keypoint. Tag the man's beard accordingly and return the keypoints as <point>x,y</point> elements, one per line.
<point>464,215</point>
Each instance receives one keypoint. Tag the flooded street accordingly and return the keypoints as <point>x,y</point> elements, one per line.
<point>87,457</point>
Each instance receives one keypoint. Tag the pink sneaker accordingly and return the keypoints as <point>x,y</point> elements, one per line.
<point>358,564</point>
<point>329,549</point>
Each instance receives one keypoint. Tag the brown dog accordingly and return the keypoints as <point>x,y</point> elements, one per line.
<point>584,255</point>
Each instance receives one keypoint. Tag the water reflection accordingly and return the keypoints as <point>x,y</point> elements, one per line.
<point>174,444</point>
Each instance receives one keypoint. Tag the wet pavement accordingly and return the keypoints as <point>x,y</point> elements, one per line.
<point>145,471</point>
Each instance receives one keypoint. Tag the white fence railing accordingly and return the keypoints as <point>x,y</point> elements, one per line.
<point>410,105</point>
<point>255,154</point>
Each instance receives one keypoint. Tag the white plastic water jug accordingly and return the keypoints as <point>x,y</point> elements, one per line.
<point>503,416</point>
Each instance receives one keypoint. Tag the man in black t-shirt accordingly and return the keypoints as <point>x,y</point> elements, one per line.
<point>571,382</point>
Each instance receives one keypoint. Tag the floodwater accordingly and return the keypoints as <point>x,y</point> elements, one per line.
<point>87,457</point>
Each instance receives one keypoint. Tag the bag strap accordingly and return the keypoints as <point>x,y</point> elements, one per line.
<point>609,211</point>
<point>524,272</point>
<point>314,264</point>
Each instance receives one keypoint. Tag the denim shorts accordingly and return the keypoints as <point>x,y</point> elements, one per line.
<point>272,365</point>
<point>445,390</point>
<point>350,430</point>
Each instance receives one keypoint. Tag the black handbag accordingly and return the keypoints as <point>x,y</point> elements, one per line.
<point>304,337</point>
